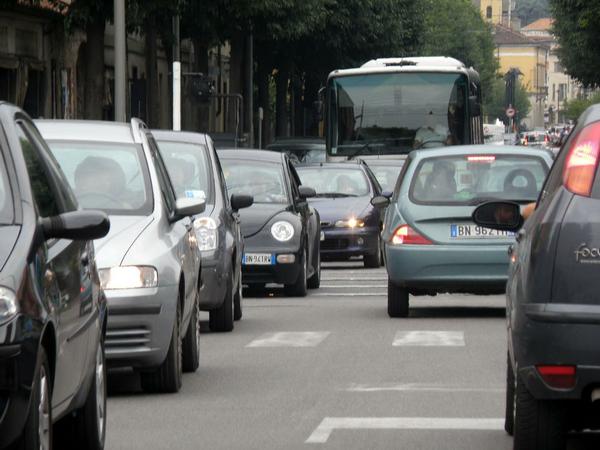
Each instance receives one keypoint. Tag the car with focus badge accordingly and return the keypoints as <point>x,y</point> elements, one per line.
<point>281,230</point>
<point>53,311</point>
<point>149,263</point>
<point>196,172</point>
<point>350,224</point>
<point>431,244</point>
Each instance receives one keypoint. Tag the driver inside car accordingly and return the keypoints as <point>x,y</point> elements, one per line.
<point>99,183</point>
<point>432,133</point>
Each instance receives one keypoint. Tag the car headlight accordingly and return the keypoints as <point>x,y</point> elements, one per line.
<point>352,222</point>
<point>282,231</point>
<point>206,233</point>
<point>8,304</point>
<point>128,277</point>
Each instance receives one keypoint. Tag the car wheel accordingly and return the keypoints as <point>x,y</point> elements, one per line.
<point>300,287</point>
<point>373,261</point>
<point>539,424</point>
<point>397,300</point>
<point>167,377</point>
<point>37,433</point>
<point>221,319</point>
<point>191,341</point>
<point>509,419</point>
<point>314,282</point>
<point>237,301</point>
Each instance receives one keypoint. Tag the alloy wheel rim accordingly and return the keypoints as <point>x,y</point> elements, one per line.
<point>44,412</point>
<point>100,392</point>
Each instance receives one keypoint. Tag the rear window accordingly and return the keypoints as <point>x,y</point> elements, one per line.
<point>473,179</point>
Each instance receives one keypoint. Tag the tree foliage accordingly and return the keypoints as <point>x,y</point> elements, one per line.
<point>531,10</point>
<point>575,107</point>
<point>495,102</point>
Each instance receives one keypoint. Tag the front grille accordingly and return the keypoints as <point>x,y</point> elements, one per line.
<point>128,337</point>
<point>335,244</point>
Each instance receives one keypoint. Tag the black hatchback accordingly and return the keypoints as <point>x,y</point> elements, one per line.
<point>553,306</point>
<point>52,310</point>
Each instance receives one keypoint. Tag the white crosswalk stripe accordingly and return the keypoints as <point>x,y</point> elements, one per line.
<point>290,339</point>
<point>429,338</point>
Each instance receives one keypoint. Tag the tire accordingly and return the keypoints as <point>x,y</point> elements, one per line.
<point>221,319</point>
<point>40,409</point>
<point>314,282</point>
<point>237,301</point>
<point>509,418</point>
<point>373,261</point>
<point>397,300</point>
<point>167,377</point>
<point>539,424</point>
<point>191,342</point>
<point>300,287</point>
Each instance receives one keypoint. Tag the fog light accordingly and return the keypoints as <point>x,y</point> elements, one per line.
<point>286,259</point>
<point>558,377</point>
<point>360,241</point>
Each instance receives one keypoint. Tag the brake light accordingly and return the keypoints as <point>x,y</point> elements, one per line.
<point>559,377</point>
<point>481,158</point>
<point>405,235</point>
<point>582,161</point>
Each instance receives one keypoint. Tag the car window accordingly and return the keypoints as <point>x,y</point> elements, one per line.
<point>6,199</point>
<point>166,186</point>
<point>263,180</point>
<point>350,182</point>
<point>472,179</point>
<point>109,177</point>
<point>41,185</point>
<point>555,177</point>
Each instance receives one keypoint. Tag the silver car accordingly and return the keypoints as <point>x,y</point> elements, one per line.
<point>149,262</point>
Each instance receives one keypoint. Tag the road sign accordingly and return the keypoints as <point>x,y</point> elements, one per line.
<point>510,112</point>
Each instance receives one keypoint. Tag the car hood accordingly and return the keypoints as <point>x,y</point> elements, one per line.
<point>254,218</point>
<point>8,239</point>
<point>342,208</point>
<point>124,230</point>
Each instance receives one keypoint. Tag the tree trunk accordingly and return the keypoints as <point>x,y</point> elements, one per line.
<point>201,65</point>
<point>151,54</point>
<point>281,102</point>
<point>235,83</point>
<point>94,68</point>
<point>298,107</point>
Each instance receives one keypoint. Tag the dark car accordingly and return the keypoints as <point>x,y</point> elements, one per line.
<point>281,231</point>
<point>195,171</point>
<point>301,150</point>
<point>52,309</point>
<point>350,224</point>
<point>386,170</point>
<point>553,306</point>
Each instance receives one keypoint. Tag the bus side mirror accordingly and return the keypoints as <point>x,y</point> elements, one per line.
<point>474,106</point>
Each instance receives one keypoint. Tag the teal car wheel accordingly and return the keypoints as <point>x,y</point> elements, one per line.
<point>397,300</point>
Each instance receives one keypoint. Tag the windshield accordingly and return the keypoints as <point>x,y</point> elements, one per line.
<point>334,181</point>
<point>398,112</point>
<point>188,168</point>
<point>386,175</point>
<point>300,154</point>
<point>6,203</point>
<point>105,176</point>
<point>473,179</point>
<point>263,180</point>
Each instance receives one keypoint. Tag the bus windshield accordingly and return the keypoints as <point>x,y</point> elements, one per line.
<point>395,113</point>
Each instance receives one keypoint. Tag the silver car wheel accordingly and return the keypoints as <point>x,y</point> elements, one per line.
<point>100,392</point>
<point>44,412</point>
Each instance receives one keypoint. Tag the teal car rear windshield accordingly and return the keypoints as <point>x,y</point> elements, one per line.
<point>473,179</point>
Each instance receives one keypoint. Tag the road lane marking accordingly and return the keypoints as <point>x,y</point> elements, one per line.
<point>421,387</point>
<point>429,338</point>
<point>322,433</point>
<point>290,339</point>
<point>348,294</point>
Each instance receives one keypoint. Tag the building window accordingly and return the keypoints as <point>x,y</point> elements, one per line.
<point>558,67</point>
<point>488,12</point>
<point>553,92</point>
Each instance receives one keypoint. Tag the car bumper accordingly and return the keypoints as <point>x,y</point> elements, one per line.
<point>140,325</point>
<point>343,243</point>
<point>557,334</point>
<point>215,274</point>
<point>280,273</point>
<point>452,268</point>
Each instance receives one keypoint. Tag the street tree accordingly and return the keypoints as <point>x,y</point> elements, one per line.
<point>531,10</point>
<point>495,103</point>
<point>575,107</point>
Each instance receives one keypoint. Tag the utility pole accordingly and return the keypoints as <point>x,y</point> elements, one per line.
<point>120,62</point>
<point>249,113</point>
<point>176,76</point>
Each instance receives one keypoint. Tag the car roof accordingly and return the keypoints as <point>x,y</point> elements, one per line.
<point>179,136</point>
<point>251,154</point>
<point>86,130</point>
<point>479,149</point>
<point>384,161</point>
<point>332,165</point>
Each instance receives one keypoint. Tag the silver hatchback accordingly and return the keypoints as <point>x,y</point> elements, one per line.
<point>149,262</point>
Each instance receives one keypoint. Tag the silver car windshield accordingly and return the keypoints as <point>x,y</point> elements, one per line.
<point>109,177</point>
<point>263,180</point>
<point>473,179</point>
<point>335,182</point>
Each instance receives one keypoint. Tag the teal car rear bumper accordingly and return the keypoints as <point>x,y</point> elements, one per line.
<point>448,268</point>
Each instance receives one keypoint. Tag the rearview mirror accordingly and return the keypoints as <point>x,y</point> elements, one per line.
<point>240,201</point>
<point>380,201</point>
<point>306,192</point>
<point>76,226</point>
<point>185,207</point>
<point>504,216</point>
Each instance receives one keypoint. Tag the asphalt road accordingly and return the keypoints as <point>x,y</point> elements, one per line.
<point>333,371</point>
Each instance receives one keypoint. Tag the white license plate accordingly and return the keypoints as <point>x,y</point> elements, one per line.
<point>468,231</point>
<point>258,259</point>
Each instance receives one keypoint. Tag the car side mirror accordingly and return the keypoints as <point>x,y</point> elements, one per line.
<point>186,207</point>
<point>76,226</point>
<point>241,201</point>
<point>306,192</point>
<point>380,201</point>
<point>504,216</point>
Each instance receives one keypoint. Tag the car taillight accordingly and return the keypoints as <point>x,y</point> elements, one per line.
<point>582,161</point>
<point>405,235</point>
<point>558,377</point>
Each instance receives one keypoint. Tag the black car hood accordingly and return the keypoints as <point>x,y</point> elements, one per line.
<point>254,218</point>
<point>341,208</point>
<point>8,238</point>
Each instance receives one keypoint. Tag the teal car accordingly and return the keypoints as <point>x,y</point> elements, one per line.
<point>431,244</point>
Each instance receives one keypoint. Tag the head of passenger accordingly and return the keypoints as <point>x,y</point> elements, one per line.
<point>442,182</point>
<point>98,175</point>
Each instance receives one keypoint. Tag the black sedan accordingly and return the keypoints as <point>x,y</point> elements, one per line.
<point>281,231</point>
<point>195,171</point>
<point>52,310</point>
<point>351,225</point>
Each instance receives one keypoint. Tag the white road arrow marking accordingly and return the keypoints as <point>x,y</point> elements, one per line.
<point>290,339</point>
<point>429,338</point>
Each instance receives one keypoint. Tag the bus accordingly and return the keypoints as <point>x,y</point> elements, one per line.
<point>389,107</point>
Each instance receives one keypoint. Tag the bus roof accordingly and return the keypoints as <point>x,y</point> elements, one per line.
<point>396,65</point>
